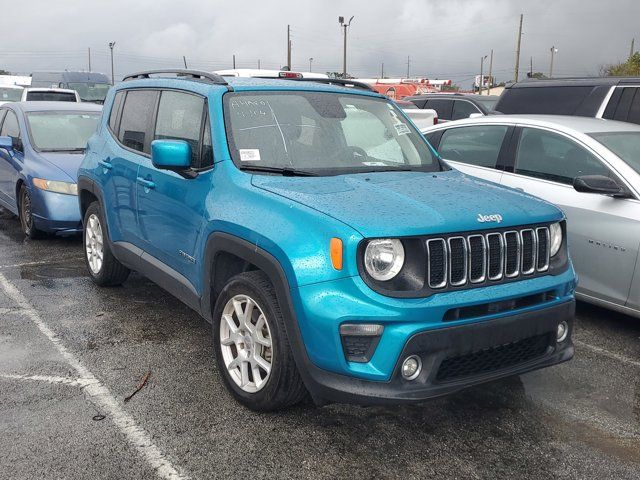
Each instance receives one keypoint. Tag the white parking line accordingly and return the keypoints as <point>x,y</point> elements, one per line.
<point>45,378</point>
<point>607,353</point>
<point>99,393</point>
<point>42,262</point>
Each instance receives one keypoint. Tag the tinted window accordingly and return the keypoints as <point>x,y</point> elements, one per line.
<point>113,117</point>
<point>419,103</point>
<point>624,105</point>
<point>180,118</point>
<point>206,158</point>
<point>136,119</point>
<point>550,156</point>
<point>10,127</point>
<point>51,97</point>
<point>462,109</point>
<point>442,107</point>
<point>550,100</point>
<point>473,145</point>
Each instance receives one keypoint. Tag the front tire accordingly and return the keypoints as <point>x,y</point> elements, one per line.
<point>25,213</point>
<point>252,348</point>
<point>105,270</point>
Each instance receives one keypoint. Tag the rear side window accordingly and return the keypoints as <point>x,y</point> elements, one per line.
<point>462,109</point>
<point>180,117</point>
<point>442,107</point>
<point>547,155</point>
<point>115,109</point>
<point>624,105</point>
<point>135,125</point>
<point>10,126</point>
<point>543,100</point>
<point>51,97</point>
<point>479,145</point>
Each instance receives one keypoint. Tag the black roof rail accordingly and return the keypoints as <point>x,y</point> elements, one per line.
<point>180,73</point>
<point>336,81</point>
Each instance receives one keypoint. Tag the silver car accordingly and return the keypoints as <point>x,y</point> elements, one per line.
<point>588,167</point>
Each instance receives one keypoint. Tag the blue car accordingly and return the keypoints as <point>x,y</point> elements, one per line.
<point>41,147</point>
<point>331,249</point>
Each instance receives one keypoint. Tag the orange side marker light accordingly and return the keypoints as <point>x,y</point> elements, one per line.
<point>336,253</point>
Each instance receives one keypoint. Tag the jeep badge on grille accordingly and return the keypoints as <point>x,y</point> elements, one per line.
<point>489,218</point>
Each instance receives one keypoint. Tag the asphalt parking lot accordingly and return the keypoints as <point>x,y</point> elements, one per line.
<point>71,352</point>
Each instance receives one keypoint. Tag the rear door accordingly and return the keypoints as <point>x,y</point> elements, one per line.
<point>603,239</point>
<point>475,149</point>
<point>170,206</point>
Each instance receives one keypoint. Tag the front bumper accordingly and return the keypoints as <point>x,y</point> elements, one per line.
<point>462,344</point>
<point>56,212</point>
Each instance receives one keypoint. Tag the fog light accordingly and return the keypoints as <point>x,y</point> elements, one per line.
<point>563,331</point>
<point>411,367</point>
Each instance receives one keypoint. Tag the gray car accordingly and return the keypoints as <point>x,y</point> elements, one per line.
<point>589,167</point>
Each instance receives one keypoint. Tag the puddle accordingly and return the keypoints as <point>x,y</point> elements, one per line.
<point>52,270</point>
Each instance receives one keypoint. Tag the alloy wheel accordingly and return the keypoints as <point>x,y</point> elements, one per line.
<point>245,342</point>
<point>94,244</point>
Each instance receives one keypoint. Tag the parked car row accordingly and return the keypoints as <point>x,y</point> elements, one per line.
<point>333,250</point>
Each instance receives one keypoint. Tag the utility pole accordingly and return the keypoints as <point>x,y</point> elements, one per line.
<point>234,61</point>
<point>518,49</point>
<point>258,64</point>
<point>344,52</point>
<point>89,50</point>
<point>289,47</point>
<point>490,69</point>
<point>382,71</point>
<point>554,50</point>
<point>633,40</point>
<point>482,59</point>
<point>408,65</point>
<point>310,63</point>
<point>184,59</point>
<point>111,45</point>
<point>531,68</point>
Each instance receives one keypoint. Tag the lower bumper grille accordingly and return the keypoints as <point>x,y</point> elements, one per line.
<point>495,358</point>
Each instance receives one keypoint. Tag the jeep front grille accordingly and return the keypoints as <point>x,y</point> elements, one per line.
<point>486,257</point>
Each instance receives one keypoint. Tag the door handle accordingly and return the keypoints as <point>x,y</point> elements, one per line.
<point>147,184</point>
<point>106,165</point>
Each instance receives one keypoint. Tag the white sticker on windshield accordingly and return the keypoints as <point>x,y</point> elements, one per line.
<point>402,129</point>
<point>249,154</point>
<point>374,164</point>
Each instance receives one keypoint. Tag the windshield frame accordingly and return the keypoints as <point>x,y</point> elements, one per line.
<point>56,112</point>
<point>438,164</point>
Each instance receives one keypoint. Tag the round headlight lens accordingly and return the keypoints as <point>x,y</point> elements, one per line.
<point>555,231</point>
<point>384,258</point>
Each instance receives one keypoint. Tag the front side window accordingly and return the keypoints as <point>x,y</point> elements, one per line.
<point>61,131</point>
<point>180,118</point>
<point>135,125</point>
<point>478,145</point>
<point>10,126</point>
<point>323,133</point>
<point>442,107</point>
<point>625,145</point>
<point>463,109</point>
<point>550,156</point>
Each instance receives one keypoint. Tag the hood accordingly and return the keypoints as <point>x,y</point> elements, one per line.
<point>412,203</point>
<point>67,162</point>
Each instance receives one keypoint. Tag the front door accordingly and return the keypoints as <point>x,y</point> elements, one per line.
<point>10,162</point>
<point>603,231</point>
<point>170,206</point>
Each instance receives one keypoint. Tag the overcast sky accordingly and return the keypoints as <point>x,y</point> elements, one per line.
<point>444,39</point>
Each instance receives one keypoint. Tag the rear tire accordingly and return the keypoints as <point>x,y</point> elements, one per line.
<point>105,270</point>
<point>25,214</point>
<point>252,351</point>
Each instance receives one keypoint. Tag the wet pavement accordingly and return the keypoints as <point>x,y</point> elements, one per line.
<point>71,352</point>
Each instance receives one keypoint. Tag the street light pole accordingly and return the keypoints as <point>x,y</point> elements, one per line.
<point>554,50</point>
<point>310,63</point>
<point>482,59</point>
<point>490,71</point>
<point>344,53</point>
<point>111,45</point>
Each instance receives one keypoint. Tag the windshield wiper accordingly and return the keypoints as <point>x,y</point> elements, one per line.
<point>284,171</point>
<point>64,150</point>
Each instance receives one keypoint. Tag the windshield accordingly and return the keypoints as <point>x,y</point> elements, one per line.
<point>91,92</point>
<point>10,94</point>
<point>61,131</point>
<point>626,145</point>
<point>486,102</point>
<point>51,96</point>
<point>322,134</point>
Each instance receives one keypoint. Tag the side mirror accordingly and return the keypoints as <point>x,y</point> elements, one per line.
<point>597,184</point>
<point>171,154</point>
<point>6,143</point>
